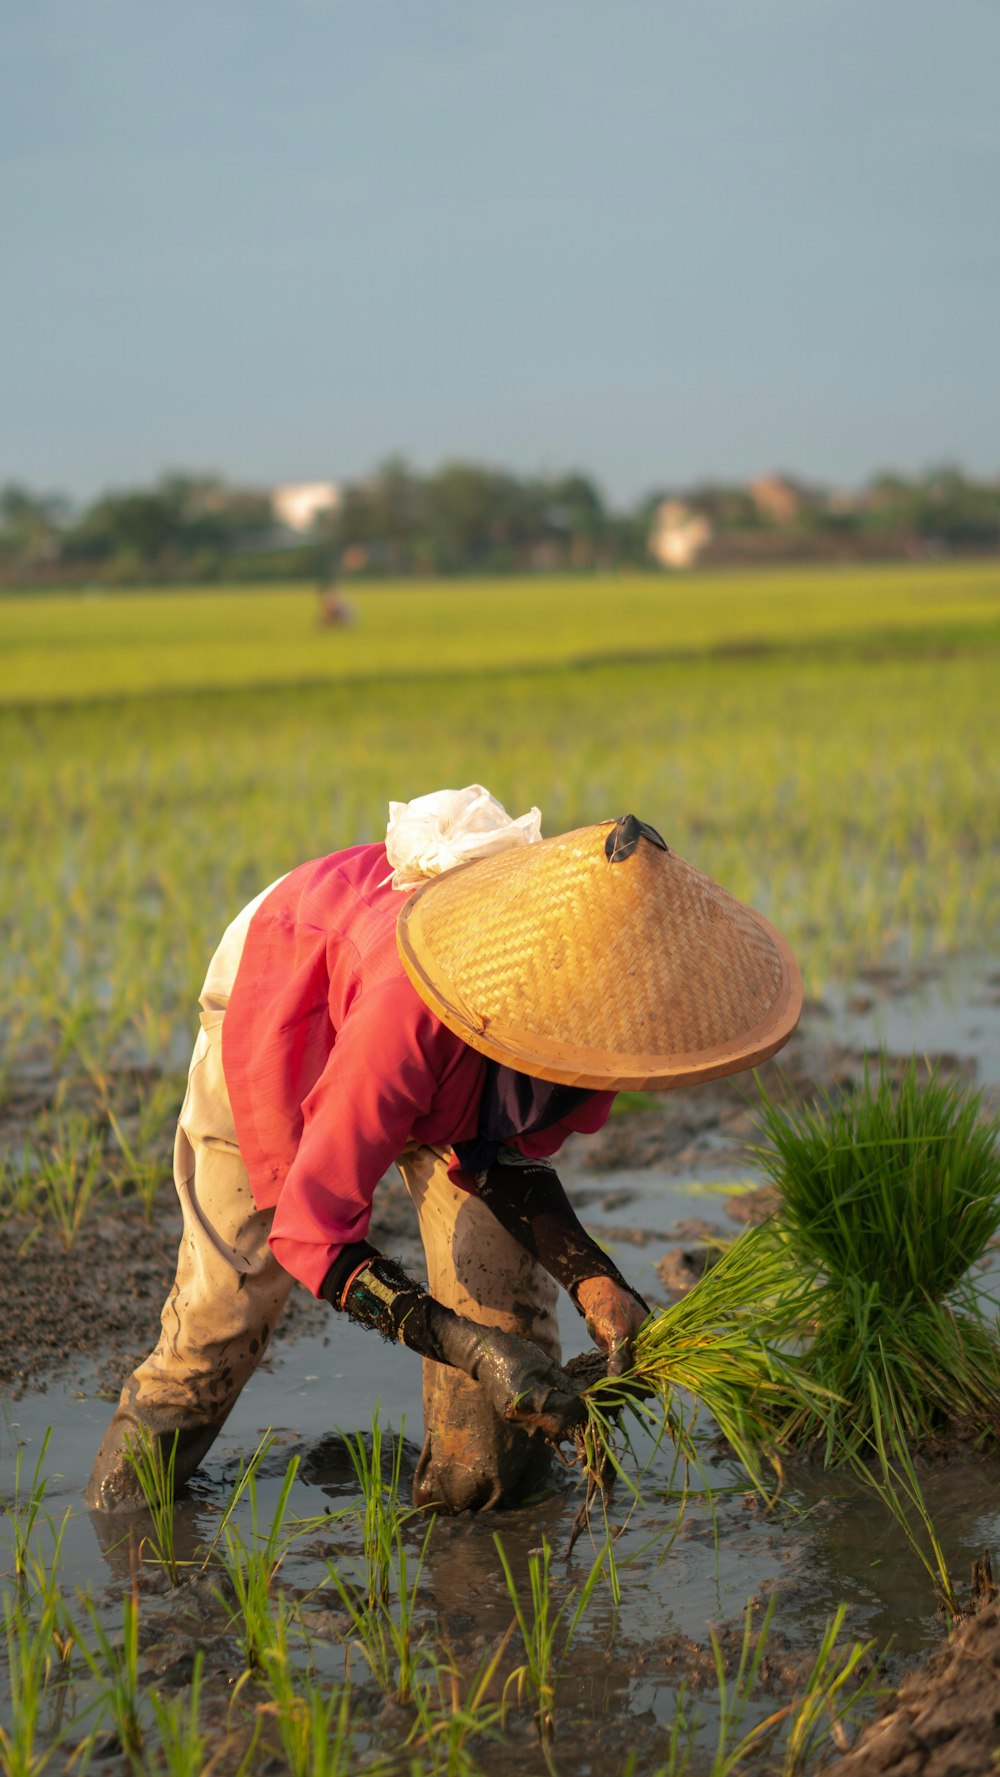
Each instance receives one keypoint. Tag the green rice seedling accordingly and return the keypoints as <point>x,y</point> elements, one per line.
<point>315,1730</point>
<point>38,1637</point>
<point>36,1644</point>
<point>887,1198</point>
<point>900,1491</point>
<point>251,1572</point>
<point>733,1745</point>
<point>155,1472</point>
<point>453,1712</point>
<point>386,1631</point>
<point>244,1481</point>
<point>381,1512</point>
<point>836,1687</point>
<point>721,1346</point>
<point>18,1190</point>
<point>114,1665</point>
<point>547,1634</point>
<point>70,1173</point>
<point>22,1511</point>
<point>314,1722</point>
<point>183,1749</point>
<point>40,1596</point>
<point>145,1169</point>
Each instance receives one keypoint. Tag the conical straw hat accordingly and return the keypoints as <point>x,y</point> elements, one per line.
<point>600,959</point>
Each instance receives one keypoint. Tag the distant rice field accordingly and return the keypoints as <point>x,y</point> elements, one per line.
<point>840,772</point>
<point>112,644</point>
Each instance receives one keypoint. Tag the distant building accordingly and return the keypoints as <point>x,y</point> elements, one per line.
<point>298,504</point>
<point>678,534</point>
<point>778,498</point>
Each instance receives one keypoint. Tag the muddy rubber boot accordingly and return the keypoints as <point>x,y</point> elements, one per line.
<point>472,1460</point>
<point>114,1485</point>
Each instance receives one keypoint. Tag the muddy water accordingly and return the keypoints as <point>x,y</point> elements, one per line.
<point>825,1543</point>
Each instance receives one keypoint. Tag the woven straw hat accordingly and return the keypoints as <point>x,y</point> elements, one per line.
<point>600,959</point>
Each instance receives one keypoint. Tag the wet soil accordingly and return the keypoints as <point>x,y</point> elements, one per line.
<point>658,1185</point>
<point>945,1719</point>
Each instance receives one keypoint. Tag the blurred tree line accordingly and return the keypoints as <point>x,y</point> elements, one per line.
<point>466,519</point>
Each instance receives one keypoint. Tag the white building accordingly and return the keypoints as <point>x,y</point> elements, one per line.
<point>298,504</point>
<point>678,534</point>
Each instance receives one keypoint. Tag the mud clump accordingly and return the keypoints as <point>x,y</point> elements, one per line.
<point>945,1719</point>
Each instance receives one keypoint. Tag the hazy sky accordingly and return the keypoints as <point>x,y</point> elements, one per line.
<point>658,239</point>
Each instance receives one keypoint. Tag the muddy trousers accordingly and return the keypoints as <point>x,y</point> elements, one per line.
<point>229,1293</point>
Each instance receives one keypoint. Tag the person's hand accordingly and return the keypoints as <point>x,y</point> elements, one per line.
<point>614,1316</point>
<point>520,1382</point>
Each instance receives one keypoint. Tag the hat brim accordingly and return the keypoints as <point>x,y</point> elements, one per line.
<point>465,995</point>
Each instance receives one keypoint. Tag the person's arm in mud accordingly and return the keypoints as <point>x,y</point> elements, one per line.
<point>528,1200</point>
<point>521,1383</point>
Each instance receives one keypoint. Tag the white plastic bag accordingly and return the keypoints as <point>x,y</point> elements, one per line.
<point>433,833</point>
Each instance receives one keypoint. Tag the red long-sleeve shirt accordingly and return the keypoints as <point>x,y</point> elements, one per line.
<point>333,1062</point>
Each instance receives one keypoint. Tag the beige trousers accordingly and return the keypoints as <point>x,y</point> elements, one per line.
<point>230,1291</point>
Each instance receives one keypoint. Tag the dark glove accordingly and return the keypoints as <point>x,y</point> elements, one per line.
<point>614,1314</point>
<point>520,1382</point>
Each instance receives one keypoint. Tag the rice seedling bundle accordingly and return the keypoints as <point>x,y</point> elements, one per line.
<point>718,1350</point>
<point>888,1198</point>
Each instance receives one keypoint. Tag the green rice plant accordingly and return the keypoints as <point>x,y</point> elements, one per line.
<point>381,1513</point>
<point>891,760</point>
<point>836,1687</point>
<point>114,1665</point>
<point>315,1729</point>
<point>733,1744</point>
<point>18,1191</point>
<point>720,1345</point>
<point>314,1722</point>
<point>900,1491</point>
<point>547,1634</point>
<point>145,1168</point>
<point>252,1570</point>
<point>154,1468</point>
<point>22,1511</point>
<point>245,1479</point>
<point>70,1173</point>
<point>386,1631</point>
<point>251,1573</point>
<point>453,1712</point>
<point>888,1197</point>
<point>38,1637</point>
<point>183,1749</point>
<point>35,1644</point>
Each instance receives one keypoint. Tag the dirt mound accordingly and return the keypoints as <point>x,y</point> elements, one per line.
<point>945,1719</point>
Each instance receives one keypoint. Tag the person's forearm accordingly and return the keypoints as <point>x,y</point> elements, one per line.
<point>529,1201</point>
<point>520,1381</point>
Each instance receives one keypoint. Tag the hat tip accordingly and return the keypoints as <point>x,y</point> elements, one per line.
<point>625,836</point>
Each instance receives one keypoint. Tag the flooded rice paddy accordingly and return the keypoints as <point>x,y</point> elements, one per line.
<point>642,1660</point>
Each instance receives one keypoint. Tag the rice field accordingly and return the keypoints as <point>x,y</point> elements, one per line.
<point>848,788</point>
<point>119,644</point>
<point>825,744</point>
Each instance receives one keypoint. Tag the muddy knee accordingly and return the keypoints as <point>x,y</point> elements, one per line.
<point>472,1460</point>
<point>114,1484</point>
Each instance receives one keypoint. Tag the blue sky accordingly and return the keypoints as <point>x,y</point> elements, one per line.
<point>284,238</point>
